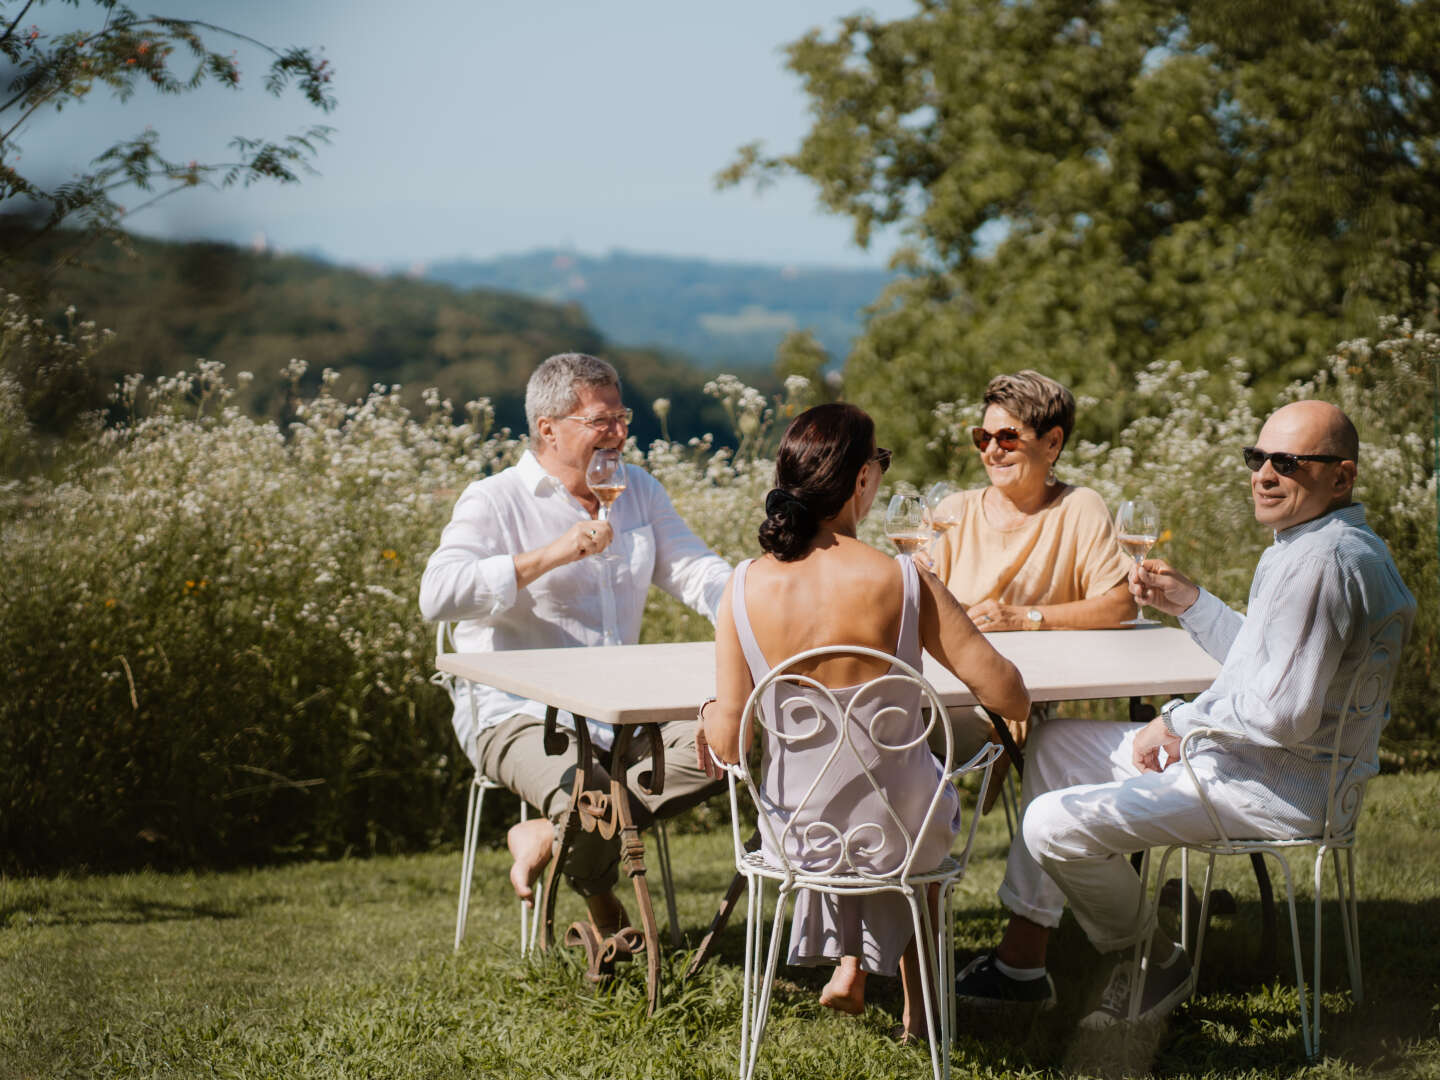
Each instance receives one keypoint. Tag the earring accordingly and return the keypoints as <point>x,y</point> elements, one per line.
<point>1051,480</point>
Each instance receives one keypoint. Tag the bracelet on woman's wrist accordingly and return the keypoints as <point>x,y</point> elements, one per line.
<point>700,712</point>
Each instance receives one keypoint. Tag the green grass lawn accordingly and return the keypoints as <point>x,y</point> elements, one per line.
<point>346,969</point>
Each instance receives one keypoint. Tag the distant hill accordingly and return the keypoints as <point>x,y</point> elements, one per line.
<point>171,303</point>
<point>726,314</point>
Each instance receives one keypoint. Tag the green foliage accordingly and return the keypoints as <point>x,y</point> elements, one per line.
<point>1089,186</point>
<point>345,969</point>
<point>49,70</point>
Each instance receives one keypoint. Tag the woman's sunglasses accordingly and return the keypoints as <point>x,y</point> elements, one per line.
<point>881,458</point>
<point>1007,438</point>
<point>1283,463</point>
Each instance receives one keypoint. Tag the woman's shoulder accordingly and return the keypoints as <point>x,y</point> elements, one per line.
<point>848,562</point>
<point>965,501</point>
<point>1083,501</point>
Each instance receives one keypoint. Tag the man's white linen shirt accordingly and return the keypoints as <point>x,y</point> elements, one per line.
<point>1319,594</point>
<point>471,576</point>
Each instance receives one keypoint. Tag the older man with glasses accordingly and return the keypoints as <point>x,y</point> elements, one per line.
<point>519,566</point>
<point>1095,791</point>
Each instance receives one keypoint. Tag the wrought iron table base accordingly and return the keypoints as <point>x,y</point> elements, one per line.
<point>592,809</point>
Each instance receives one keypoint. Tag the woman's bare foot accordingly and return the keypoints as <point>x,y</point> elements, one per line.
<point>845,992</point>
<point>530,843</point>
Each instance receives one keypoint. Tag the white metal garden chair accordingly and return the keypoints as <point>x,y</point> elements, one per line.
<point>1365,703</point>
<point>475,804</point>
<point>786,854</point>
<point>479,785</point>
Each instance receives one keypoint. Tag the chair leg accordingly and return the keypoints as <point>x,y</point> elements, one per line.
<point>1204,914</point>
<point>662,851</point>
<point>474,805</point>
<point>764,981</point>
<point>529,917</point>
<point>1011,803</point>
<point>927,960</point>
<point>1184,899</point>
<point>947,967</point>
<point>1319,884</point>
<point>753,898</point>
<point>1146,913</point>
<point>1305,1030</point>
<point>1350,920</point>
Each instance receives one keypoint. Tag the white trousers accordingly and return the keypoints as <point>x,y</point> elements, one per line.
<point>1086,808</point>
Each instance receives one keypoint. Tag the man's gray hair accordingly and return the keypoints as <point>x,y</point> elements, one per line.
<point>551,390</point>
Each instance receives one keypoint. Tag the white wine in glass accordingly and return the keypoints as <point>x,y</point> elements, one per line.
<point>1137,528</point>
<point>941,520</point>
<point>907,523</point>
<point>605,476</point>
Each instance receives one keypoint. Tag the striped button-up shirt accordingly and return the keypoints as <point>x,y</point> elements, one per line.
<point>1320,594</point>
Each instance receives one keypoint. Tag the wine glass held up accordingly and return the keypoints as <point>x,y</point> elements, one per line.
<point>907,523</point>
<point>1137,528</point>
<point>605,476</point>
<point>942,518</point>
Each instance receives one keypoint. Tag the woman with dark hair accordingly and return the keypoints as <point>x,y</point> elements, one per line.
<point>818,585</point>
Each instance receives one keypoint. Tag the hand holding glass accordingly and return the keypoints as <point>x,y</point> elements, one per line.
<point>907,523</point>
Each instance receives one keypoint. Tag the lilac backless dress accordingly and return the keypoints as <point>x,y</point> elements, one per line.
<point>876,927</point>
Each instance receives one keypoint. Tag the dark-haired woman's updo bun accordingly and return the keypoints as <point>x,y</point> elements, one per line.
<point>819,460</point>
<point>789,526</point>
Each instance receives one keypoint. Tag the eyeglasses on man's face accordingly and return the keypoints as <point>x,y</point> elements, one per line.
<point>881,458</point>
<point>602,421</point>
<point>1006,438</point>
<point>1283,463</point>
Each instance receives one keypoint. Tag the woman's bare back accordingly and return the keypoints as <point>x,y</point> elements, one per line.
<point>841,593</point>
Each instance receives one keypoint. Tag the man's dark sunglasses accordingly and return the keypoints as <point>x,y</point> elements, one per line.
<point>881,458</point>
<point>1007,438</point>
<point>1283,463</point>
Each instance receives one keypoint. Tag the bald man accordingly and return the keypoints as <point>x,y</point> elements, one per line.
<point>1095,791</point>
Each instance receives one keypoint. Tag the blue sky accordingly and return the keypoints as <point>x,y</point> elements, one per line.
<point>471,128</point>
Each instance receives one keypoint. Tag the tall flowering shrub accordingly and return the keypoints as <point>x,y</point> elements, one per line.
<point>211,622</point>
<point>208,623</point>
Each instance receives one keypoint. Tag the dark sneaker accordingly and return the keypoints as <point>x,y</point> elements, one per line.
<point>983,985</point>
<point>1166,986</point>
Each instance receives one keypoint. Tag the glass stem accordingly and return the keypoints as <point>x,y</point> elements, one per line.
<point>607,601</point>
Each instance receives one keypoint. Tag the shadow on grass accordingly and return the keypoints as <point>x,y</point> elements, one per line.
<point>1244,1018</point>
<point>130,911</point>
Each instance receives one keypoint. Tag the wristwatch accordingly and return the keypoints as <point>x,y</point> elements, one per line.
<point>1168,708</point>
<point>1034,619</point>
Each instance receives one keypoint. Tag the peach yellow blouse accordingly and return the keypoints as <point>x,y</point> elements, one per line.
<point>1066,552</point>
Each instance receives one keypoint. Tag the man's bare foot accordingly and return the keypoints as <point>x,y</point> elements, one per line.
<point>530,843</point>
<point>845,992</point>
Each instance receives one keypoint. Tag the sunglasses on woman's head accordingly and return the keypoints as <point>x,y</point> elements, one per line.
<point>1283,463</point>
<point>1007,438</point>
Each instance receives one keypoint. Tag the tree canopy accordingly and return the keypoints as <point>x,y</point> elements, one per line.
<point>44,71</point>
<point>1087,186</point>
